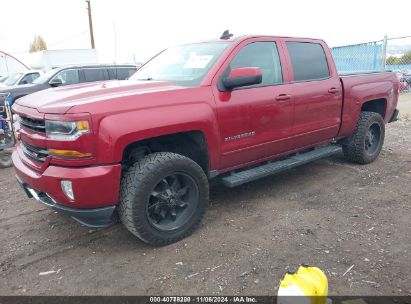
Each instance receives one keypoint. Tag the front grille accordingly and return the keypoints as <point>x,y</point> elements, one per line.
<point>37,125</point>
<point>35,153</point>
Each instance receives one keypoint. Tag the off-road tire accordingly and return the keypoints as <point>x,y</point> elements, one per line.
<point>136,185</point>
<point>354,146</point>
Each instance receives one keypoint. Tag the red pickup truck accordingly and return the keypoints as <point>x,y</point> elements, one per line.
<point>235,109</point>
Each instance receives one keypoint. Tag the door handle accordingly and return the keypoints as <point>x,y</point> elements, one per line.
<point>283,97</point>
<point>333,90</point>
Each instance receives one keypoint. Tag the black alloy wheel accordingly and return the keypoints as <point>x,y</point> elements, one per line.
<point>172,202</point>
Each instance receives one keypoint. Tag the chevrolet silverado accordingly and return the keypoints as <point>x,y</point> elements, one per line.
<point>234,109</point>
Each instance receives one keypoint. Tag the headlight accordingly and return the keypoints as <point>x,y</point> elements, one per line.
<point>66,130</point>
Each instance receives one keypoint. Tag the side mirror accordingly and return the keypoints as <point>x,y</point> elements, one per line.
<point>24,82</point>
<point>241,77</point>
<point>55,82</point>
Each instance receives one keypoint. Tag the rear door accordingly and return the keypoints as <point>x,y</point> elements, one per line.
<point>255,121</point>
<point>316,90</point>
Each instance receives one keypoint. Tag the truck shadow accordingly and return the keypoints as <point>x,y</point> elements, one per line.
<point>290,181</point>
<point>223,201</point>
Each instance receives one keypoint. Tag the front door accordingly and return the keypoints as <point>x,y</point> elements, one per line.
<point>255,121</point>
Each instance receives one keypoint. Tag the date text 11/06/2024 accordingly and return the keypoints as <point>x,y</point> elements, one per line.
<point>210,299</point>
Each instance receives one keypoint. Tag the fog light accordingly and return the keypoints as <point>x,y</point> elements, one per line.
<point>67,188</point>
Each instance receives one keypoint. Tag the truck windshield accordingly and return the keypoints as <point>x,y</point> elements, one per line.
<point>184,65</point>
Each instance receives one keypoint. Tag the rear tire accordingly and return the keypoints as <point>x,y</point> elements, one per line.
<point>365,144</point>
<point>163,198</point>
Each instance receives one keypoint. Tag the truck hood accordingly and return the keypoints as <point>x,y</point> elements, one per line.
<point>61,100</point>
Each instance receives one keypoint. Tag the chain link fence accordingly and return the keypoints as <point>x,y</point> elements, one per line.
<point>389,54</point>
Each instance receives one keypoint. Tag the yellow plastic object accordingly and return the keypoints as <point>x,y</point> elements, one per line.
<point>310,283</point>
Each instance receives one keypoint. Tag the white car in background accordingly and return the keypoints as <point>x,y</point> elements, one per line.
<point>25,77</point>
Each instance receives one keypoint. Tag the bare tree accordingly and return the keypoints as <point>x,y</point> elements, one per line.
<point>38,44</point>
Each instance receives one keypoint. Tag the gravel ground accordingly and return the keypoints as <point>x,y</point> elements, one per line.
<point>329,213</point>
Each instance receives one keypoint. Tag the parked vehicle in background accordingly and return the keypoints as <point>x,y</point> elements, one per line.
<point>404,85</point>
<point>68,76</point>
<point>7,138</point>
<point>407,78</point>
<point>147,148</point>
<point>20,78</point>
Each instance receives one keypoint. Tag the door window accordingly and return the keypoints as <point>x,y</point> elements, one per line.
<point>263,55</point>
<point>94,75</point>
<point>308,61</point>
<point>121,73</point>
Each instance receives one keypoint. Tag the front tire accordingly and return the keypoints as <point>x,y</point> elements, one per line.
<point>163,198</point>
<point>365,144</point>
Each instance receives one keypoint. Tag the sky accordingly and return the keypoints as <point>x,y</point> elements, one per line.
<point>125,29</point>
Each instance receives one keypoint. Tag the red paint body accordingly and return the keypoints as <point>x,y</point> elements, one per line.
<point>281,119</point>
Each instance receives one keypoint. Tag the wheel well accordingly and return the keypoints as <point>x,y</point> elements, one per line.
<point>190,144</point>
<point>377,106</point>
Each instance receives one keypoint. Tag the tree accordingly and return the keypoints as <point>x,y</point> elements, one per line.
<point>406,58</point>
<point>392,60</point>
<point>38,44</point>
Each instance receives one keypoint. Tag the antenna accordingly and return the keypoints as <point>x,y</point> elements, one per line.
<point>115,42</point>
<point>226,35</point>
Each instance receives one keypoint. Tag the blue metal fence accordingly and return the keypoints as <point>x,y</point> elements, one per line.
<point>398,67</point>
<point>358,57</point>
<point>389,54</point>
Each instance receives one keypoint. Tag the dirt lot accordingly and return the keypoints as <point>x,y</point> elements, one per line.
<point>329,213</point>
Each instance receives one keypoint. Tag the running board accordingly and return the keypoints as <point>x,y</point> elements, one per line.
<point>267,169</point>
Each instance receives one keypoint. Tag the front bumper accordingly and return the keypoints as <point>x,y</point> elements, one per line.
<point>93,218</point>
<point>96,189</point>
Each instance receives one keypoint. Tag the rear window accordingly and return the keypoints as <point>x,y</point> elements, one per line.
<point>308,61</point>
<point>94,74</point>
<point>121,73</point>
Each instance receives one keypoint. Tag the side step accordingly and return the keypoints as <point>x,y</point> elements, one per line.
<point>267,169</point>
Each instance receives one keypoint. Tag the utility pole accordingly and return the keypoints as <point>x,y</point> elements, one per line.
<point>384,53</point>
<point>90,23</point>
<point>115,42</point>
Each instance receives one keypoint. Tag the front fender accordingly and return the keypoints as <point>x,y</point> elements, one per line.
<point>117,131</point>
